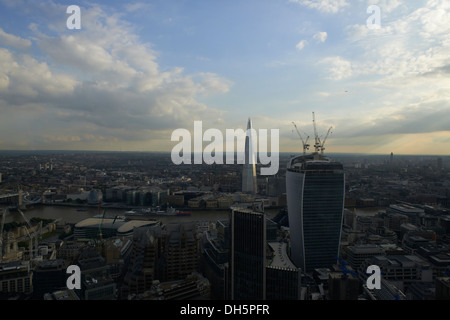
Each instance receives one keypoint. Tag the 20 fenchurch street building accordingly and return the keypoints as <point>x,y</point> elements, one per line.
<point>315,187</point>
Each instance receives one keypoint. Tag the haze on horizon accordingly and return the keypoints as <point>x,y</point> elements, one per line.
<point>136,71</point>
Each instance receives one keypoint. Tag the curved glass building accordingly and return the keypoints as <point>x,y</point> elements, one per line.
<point>315,188</point>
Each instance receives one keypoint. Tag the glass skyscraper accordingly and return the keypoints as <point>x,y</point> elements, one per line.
<point>249,184</point>
<point>248,255</point>
<point>315,188</point>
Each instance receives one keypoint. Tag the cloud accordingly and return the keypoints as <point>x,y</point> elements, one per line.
<point>25,79</point>
<point>338,68</point>
<point>301,45</point>
<point>11,40</point>
<point>136,6</point>
<point>420,118</point>
<point>321,36</point>
<point>403,62</point>
<point>325,6</point>
<point>102,82</point>
<point>212,83</point>
<point>387,6</point>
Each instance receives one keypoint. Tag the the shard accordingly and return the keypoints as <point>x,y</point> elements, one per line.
<point>249,170</point>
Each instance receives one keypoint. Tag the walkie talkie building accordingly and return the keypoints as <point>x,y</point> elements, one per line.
<point>315,188</point>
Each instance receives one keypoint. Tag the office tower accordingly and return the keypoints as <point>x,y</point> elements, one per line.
<point>343,286</point>
<point>249,171</point>
<point>96,280</point>
<point>248,255</point>
<point>49,276</point>
<point>142,268</point>
<point>315,197</point>
<point>181,247</point>
<point>260,266</point>
<point>283,278</point>
<point>216,259</point>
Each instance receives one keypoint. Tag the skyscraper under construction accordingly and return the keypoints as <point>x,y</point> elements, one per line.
<point>315,187</point>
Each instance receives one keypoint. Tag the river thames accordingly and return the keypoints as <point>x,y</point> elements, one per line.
<point>74,215</point>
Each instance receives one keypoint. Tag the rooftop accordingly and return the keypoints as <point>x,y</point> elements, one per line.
<point>122,226</point>
<point>280,258</point>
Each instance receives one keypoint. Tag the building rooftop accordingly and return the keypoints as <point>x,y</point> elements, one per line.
<point>281,258</point>
<point>405,261</point>
<point>122,226</point>
<point>366,248</point>
<point>406,208</point>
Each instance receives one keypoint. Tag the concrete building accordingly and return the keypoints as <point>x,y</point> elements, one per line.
<point>142,269</point>
<point>401,269</point>
<point>388,291</point>
<point>96,280</point>
<point>358,254</point>
<point>413,213</point>
<point>15,278</point>
<point>180,245</point>
<point>193,287</point>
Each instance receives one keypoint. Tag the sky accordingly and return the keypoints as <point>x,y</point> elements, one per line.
<point>136,71</point>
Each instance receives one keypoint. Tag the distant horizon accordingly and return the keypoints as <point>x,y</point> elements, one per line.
<point>168,152</point>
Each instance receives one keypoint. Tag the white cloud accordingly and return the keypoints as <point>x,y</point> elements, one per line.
<point>14,41</point>
<point>326,6</point>
<point>212,83</point>
<point>321,36</point>
<point>301,45</point>
<point>101,82</point>
<point>386,5</point>
<point>338,68</point>
<point>26,79</point>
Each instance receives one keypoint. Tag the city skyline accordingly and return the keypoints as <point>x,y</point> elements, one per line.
<point>137,71</point>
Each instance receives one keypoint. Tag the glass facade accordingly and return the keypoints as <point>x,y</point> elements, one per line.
<point>248,255</point>
<point>315,191</point>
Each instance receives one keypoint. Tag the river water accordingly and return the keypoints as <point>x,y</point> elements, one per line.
<point>72,215</point>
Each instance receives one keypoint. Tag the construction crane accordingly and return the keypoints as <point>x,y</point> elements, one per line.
<point>316,136</point>
<point>319,146</point>
<point>322,148</point>
<point>304,143</point>
<point>29,235</point>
